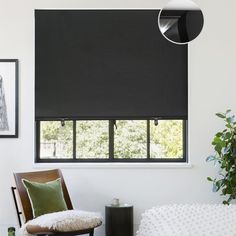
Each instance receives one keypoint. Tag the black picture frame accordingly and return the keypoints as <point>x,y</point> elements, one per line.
<point>9,98</point>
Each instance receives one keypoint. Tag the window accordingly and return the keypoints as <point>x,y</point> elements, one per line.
<point>111,141</point>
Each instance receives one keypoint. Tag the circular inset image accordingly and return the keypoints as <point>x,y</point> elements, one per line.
<point>181,21</point>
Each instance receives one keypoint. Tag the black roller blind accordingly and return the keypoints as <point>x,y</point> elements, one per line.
<point>107,64</point>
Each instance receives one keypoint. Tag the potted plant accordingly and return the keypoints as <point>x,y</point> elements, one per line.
<point>224,144</point>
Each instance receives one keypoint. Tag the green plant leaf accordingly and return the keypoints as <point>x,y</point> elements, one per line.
<point>224,143</point>
<point>216,140</point>
<point>219,134</point>
<point>225,150</point>
<point>234,153</point>
<point>215,188</point>
<point>227,135</point>
<point>225,202</point>
<point>210,158</point>
<point>209,179</point>
<point>230,119</point>
<point>221,115</point>
<point>219,183</point>
<point>218,148</point>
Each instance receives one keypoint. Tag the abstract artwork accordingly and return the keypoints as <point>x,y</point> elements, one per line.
<point>3,108</point>
<point>8,98</point>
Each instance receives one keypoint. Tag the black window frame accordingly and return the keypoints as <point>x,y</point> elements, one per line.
<point>111,158</point>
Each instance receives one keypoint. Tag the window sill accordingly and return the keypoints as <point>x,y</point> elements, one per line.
<point>113,165</point>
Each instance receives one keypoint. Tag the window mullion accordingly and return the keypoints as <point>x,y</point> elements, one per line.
<point>148,139</point>
<point>74,139</point>
<point>111,140</point>
<point>185,138</point>
<point>38,140</point>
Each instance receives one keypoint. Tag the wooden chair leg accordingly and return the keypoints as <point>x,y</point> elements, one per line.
<point>91,233</point>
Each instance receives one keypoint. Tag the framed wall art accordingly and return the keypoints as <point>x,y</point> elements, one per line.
<point>9,98</point>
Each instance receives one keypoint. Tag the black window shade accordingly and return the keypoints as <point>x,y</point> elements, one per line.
<point>186,24</point>
<point>107,64</point>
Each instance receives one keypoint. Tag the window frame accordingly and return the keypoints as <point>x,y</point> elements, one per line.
<point>111,158</point>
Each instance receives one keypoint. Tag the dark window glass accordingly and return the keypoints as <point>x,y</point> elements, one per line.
<point>92,140</point>
<point>130,139</point>
<point>56,141</point>
<point>111,141</point>
<point>166,139</point>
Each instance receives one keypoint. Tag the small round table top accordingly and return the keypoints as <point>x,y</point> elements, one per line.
<point>119,206</point>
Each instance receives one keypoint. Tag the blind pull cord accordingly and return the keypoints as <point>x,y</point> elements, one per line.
<point>114,122</point>
<point>156,122</point>
<point>62,123</point>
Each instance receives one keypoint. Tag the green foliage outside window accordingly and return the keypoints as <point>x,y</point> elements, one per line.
<point>56,140</point>
<point>168,135</point>
<point>130,139</point>
<point>92,139</point>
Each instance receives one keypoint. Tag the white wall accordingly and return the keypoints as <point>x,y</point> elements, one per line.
<point>211,88</point>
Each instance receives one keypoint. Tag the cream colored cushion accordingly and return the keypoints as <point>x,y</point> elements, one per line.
<point>65,221</point>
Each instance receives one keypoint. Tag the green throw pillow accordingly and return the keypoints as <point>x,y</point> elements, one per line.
<point>45,197</point>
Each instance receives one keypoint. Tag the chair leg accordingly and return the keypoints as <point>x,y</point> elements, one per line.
<point>91,233</point>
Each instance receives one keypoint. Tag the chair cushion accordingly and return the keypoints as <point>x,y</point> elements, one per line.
<point>65,221</point>
<point>45,197</point>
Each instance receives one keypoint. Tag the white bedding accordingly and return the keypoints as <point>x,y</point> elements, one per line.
<point>189,220</point>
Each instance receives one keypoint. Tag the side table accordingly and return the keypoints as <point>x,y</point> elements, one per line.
<point>119,220</point>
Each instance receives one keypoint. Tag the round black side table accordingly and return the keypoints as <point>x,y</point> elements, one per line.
<point>119,220</point>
